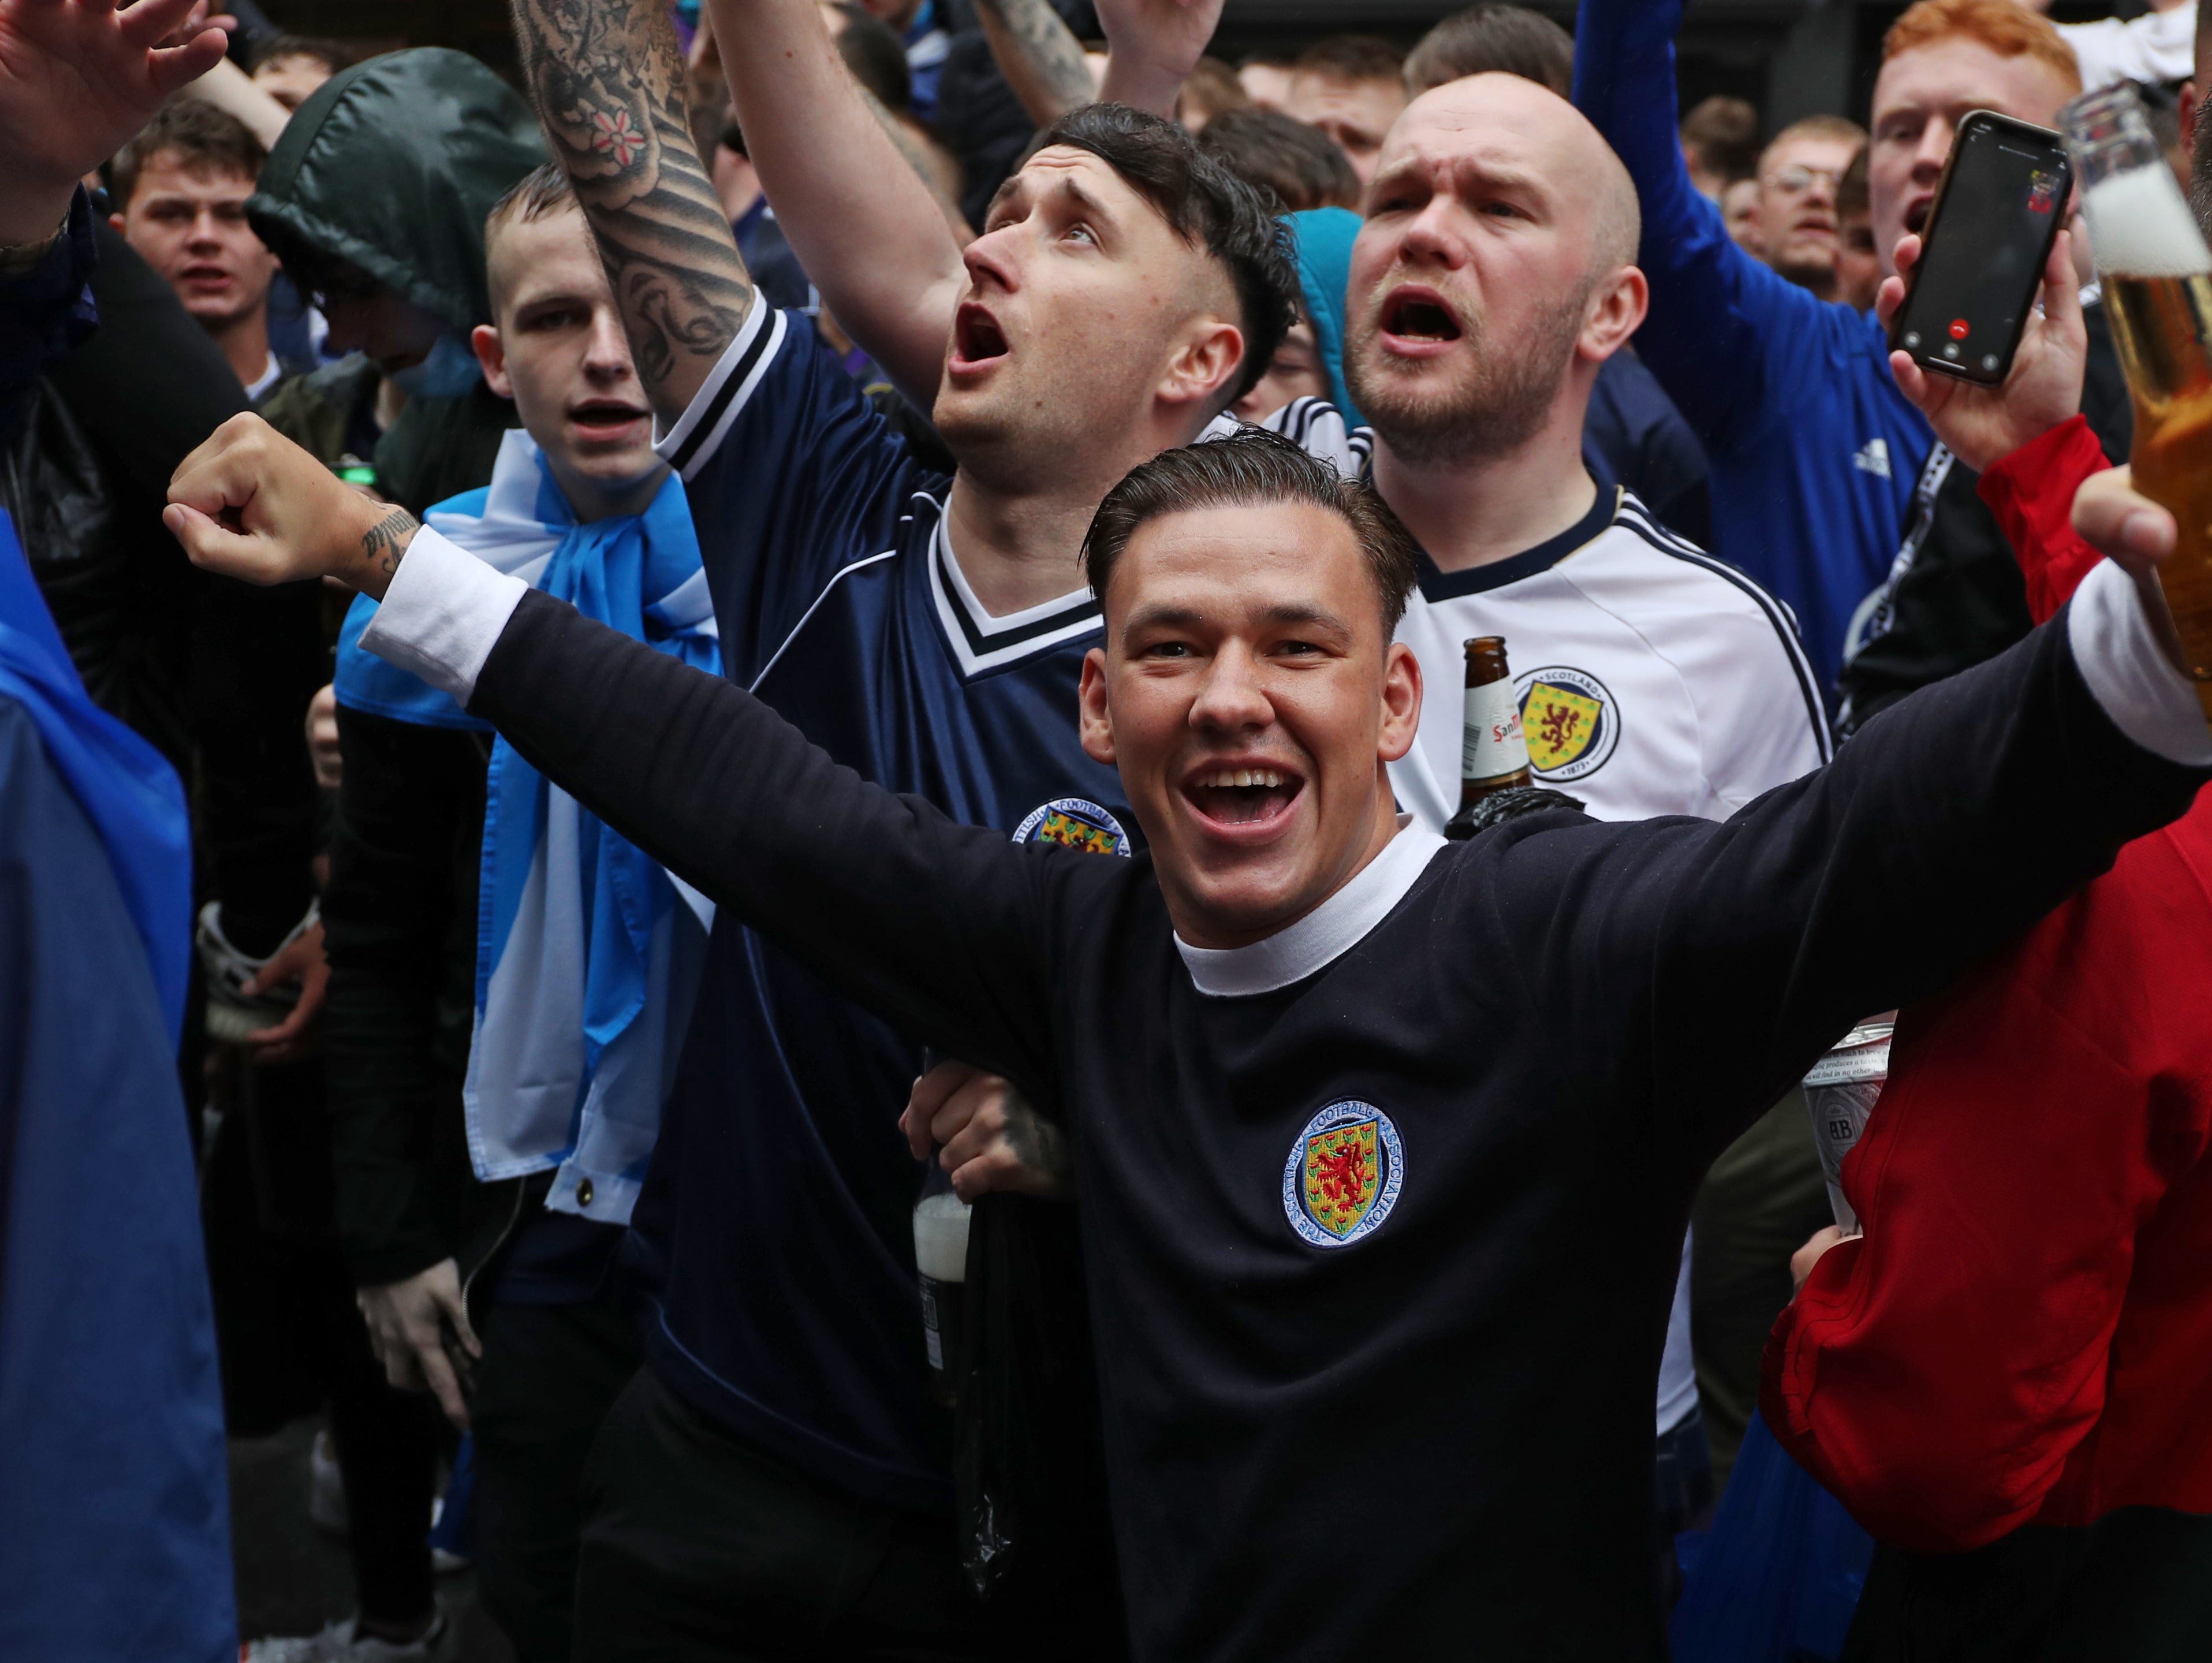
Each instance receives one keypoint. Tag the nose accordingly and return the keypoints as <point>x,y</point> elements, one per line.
<point>1231,700</point>
<point>1431,237</point>
<point>606,355</point>
<point>991,259</point>
<point>1934,146</point>
<point>204,227</point>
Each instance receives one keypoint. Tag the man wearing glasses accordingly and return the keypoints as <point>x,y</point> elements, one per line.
<point>1798,174</point>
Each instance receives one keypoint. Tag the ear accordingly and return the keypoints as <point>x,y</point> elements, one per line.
<point>1204,364</point>
<point>1095,718</point>
<point>1401,703</point>
<point>1617,306</point>
<point>491,353</point>
<point>115,221</point>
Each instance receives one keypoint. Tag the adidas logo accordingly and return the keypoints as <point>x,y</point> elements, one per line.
<point>1873,457</point>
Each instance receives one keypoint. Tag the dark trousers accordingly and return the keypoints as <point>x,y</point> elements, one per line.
<point>1762,1198</point>
<point>291,1339</point>
<point>697,1546</point>
<point>548,1375</point>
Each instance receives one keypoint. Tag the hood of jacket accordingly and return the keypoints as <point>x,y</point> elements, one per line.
<point>392,166</point>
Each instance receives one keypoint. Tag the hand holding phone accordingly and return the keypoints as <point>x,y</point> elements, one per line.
<point>1998,209</point>
<point>1979,423</point>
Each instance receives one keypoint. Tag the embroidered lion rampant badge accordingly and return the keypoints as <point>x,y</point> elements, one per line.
<point>1343,1176</point>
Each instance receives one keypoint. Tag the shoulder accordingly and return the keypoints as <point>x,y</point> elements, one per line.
<point>1319,428</point>
<point>1734,646</point>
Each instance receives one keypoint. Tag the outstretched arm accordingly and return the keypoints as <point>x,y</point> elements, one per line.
<point>943,928</point>
<point>871,235</point>
<point>1039,55</point>
<point>609,84</point>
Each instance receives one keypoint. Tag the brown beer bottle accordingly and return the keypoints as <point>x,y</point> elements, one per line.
<point>1492,757</point>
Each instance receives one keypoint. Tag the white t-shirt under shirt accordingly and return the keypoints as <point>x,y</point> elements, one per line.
<point>1655,680</point>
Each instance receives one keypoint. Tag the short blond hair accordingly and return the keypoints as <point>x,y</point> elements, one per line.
<point>1833,128</point>
<point>2006,29</point>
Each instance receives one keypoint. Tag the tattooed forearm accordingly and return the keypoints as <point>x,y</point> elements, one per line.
<point>1037,1144</point>
<point>610,88</point>
<point>1039,55</point>
<point>382,543</point>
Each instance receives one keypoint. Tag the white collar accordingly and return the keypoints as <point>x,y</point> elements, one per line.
<point>270,375</point>
<point>1323,935</point>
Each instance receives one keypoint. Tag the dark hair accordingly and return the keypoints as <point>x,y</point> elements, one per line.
<point>204,135</point>
<point>1303,165</point>
<point>332,55</point>
<point>1852,198</point>
<point>1251,468</point>
<point>876,55</point>
<point>1206,205</point>
<point>1351,57</point>
<point>1493,39</point>
<point>543,190</point>
<point>1722,134</point>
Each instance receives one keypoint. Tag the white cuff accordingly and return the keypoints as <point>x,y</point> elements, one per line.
<point>2128,671</point>
<point>442,615</point>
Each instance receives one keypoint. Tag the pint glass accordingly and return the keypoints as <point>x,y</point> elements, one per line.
<point>2157,278</point>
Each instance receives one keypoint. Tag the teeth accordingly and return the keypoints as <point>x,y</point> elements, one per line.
<point>1230,777</point>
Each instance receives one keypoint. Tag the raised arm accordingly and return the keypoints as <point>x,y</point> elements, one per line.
<point>870,234</point>
<point>608,82</point>
<point>1723,328</point>
<point>1039,55</point>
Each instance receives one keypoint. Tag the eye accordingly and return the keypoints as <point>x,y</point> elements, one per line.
<point>1081,232</point>
<point>1503,211</point>
<point>1165,650</point>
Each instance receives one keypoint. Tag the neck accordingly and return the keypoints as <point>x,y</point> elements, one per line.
<point>1472,512</point>
<point>1017,542</point>
<point>601,499</point>
<point>245,343</point>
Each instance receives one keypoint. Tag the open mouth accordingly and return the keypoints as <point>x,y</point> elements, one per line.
<point>1916,216</point>
<point>1242,797</point>
<point>604,417</point>
<point>1412,315</point>
<point>976,337</point>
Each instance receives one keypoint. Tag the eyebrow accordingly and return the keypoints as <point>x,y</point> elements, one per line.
<point>1159,616</point>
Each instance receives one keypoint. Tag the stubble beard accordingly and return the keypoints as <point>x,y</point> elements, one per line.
<point>1490,413</point>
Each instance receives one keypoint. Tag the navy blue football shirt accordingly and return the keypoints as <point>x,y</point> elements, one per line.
<point>774,1232</point>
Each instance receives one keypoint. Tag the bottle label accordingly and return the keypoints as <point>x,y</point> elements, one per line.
<point>1492,744</point>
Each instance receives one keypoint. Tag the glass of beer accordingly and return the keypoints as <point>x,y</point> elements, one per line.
<point>2157,278</point>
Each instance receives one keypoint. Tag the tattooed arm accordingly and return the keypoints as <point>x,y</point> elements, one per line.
<point>867,228</point>
<point>609,84</point>
<point>1039,55</point>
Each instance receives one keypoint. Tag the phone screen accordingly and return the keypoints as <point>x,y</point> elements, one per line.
<point>1983,256</point>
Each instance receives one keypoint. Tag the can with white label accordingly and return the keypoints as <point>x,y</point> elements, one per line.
<point>1840,1092</point>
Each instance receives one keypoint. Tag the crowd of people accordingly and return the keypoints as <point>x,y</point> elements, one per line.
<point>564,644</point>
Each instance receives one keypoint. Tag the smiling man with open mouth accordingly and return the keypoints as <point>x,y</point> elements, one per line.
<point>1365,1125</point>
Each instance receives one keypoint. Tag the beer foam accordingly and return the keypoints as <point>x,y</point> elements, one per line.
<point>940,1238</point>
<point>2139,226</point>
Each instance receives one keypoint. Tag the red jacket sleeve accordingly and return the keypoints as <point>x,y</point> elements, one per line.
<point>2031,492</point>
<point>1936,1374</point>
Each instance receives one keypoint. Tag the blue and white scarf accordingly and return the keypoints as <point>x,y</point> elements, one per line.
<point>588,952</point>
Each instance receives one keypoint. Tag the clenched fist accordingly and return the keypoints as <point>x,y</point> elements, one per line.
<point>251,504</point>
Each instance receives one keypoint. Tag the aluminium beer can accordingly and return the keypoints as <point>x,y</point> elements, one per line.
<point>1840,1092</point>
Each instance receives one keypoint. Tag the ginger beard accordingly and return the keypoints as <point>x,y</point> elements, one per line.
<point>1484,400</point>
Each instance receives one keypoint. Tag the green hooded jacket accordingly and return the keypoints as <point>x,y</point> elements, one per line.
<point>390,166</point>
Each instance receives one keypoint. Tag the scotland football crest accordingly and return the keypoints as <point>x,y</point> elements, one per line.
<point>1572,722</point>
<point>1076,823</point>
<point>1343,1176</point>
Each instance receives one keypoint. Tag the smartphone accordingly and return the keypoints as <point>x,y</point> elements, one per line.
<point>1998,207</point>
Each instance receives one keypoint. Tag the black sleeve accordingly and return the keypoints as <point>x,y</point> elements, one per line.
<point>48,310</point>
<point>941,927</point>
<point>399,926</point>
<point>1726,957</point>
